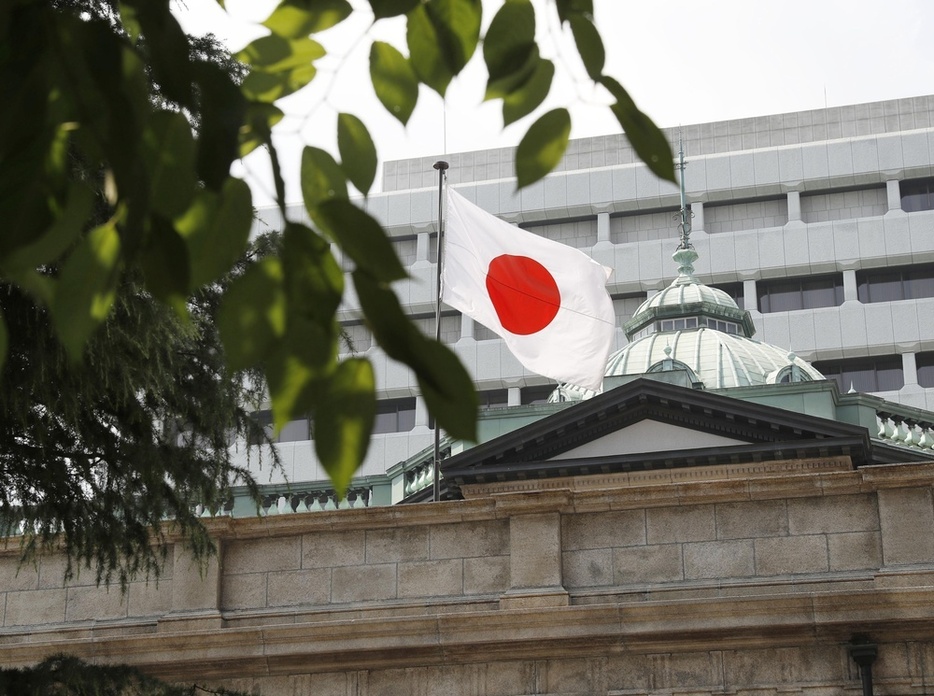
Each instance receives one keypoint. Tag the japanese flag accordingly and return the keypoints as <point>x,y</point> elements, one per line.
<point>547,300</point>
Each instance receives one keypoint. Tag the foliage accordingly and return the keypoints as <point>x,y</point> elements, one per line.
<point>180,220</point>
<point>97,454</point>
<point>63,675</point>
<point>106,450</point>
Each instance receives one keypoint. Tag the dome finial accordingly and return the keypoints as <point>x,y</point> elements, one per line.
<point>684,256</point>
<point>686,214</point>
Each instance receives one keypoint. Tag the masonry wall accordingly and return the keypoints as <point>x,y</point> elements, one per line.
<point>750,579</point>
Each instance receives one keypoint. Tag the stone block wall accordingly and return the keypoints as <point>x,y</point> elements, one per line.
<point>746,579</point>
<point>739,542</point>
<point>37,594</point>
<point>367,565</point>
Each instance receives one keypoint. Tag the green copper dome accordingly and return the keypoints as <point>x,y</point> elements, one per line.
<point>698,329</point>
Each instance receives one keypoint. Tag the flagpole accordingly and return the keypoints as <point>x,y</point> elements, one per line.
<point>442,167</point>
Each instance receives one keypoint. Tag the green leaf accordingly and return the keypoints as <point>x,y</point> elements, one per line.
<point>165,265</point>
<point>314,280</point>
<point>344,420</point>
<point>274,53</point>
<point>253,314</point>
<point>169,154</point>
<point>257,129</point>
<point>216,230</point>
<point>322,178</point>
<point>298,368</point>
<point>361,237</point>
<point>167,49</point>
<point>426,55</point>
<point>61,235</point>
<point>646,138</point>
<point>567,8</point>
<point>40,286</point>
<point>392,8</point>
<point>458,25</point>
<point>223,109</point>
<point>452,399</point>
<point>542,147</point>
<point>358,153</point>
<point>294,19</point>
<point>442,36</point>
<point>509,48</point>
<point>263,86</point>
<point>589,44</point>
<point>510,83</point>
<point>86,288</point>
<point>526,99</point>
<point>4,342</point>
<point>394,80</point>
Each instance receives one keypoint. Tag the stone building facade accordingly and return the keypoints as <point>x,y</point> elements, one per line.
<point>749,577</point>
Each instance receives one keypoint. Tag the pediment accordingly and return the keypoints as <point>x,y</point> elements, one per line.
<point>647,425</point>
<point>647,436</point>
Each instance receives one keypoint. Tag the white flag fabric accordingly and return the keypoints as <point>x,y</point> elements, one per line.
<point>547,300</point>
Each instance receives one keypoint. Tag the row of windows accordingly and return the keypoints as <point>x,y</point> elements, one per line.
<point>882,373</point>
<point>891,284</point>
<point>688,323</point>
<point>398,415</point>
<point>813,292</point>
<point>790,294</point>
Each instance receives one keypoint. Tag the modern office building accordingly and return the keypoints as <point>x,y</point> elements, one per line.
<point>819,224</point>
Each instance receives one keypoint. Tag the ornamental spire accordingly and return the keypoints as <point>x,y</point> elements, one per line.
<point>684,255</point>
<point>686,214</point>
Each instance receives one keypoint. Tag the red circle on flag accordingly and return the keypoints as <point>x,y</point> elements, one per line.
<point>524,294</point>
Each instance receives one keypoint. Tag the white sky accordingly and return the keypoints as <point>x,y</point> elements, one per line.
<point>683,61</point>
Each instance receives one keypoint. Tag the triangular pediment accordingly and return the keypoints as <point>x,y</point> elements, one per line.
<point>647,425</point>
<point>647,436</point>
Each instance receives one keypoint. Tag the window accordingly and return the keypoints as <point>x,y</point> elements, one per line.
<point>892,284</point>
<point>493,398</point>
<point>297,430</point>
<point>264,420</point>
<point>535,395</point>
<point>734,290</point>
<point>917,194</point>
<point>394,416</point>
<point>925,364</point>
<point>790,294</point>
<point>883,373</point>
<point>687,323</point>
<point>678,324</point>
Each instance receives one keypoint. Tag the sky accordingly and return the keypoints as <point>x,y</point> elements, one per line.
<point>683,61</point>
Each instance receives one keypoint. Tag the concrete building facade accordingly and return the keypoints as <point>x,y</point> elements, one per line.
<point>819,223</point>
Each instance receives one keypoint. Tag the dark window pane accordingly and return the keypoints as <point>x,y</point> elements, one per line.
<point>890,378</point>
<point>734,290</point>
<point>925,364</point>
<point>917,195</point>
<point>865,374</point>
<point>394,416</point>
<point>886,287</point>
<point>294,431</point>
<point>384,423</point>
<point>494,398</point>
<point>536,395</point>
<point>406,419</point>
<point>919,283</point>
<point>818,293</point>
<point>785,297</point>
